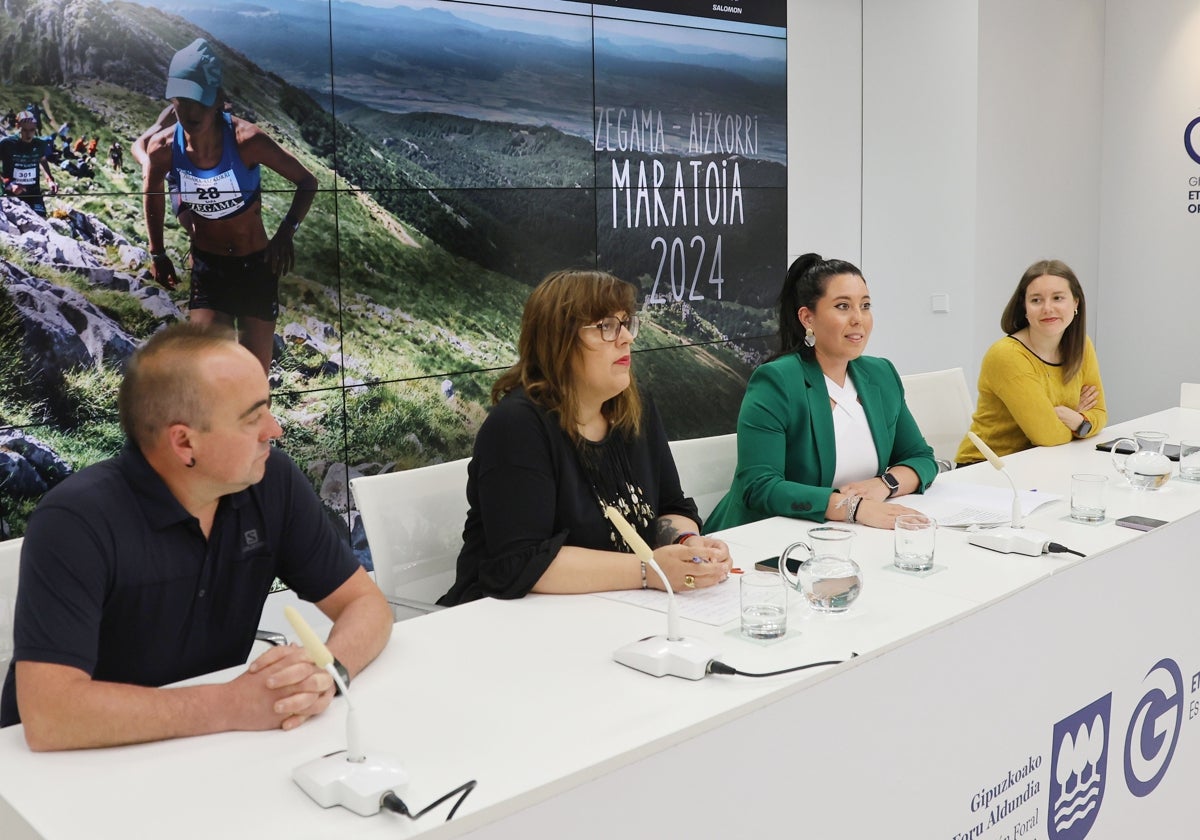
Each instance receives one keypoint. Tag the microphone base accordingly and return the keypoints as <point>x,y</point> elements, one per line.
<point>659,656</point>
<point>355,785</point>
<point>1011,540</point>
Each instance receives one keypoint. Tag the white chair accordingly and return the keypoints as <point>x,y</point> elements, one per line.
<point>414,523</point>
<point>941,405</point>
<point>706,467</point>
<point>10,557</point>
<point>1189,395</point>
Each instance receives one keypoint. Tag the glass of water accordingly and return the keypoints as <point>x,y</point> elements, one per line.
<point>916,535</point>
<point>1087,497</point>
<point>1189,460</point>
<point>764,605</point>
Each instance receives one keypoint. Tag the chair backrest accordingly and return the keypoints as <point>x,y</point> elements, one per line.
<point>10,560</point>
<point>414,524</point>
<point>1189,395</point>
<point>941,405</point>
<point>706,467</point>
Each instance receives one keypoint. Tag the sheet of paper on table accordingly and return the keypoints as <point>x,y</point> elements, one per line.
<point>715,605</point>
<point>960,504</point>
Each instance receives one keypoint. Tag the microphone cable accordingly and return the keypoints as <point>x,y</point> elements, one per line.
<point>1058,548</point>
<point>718,667</point>
<point>394,803</point>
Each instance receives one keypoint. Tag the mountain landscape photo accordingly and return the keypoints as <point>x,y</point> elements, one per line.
<point>433,220</point>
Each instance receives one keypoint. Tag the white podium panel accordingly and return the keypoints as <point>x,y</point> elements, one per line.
<point>1066,710</point>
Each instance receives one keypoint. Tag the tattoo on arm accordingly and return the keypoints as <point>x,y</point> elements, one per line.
<point>665,532</point>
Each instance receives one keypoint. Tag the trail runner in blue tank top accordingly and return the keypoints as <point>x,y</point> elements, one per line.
<point>211,161</point>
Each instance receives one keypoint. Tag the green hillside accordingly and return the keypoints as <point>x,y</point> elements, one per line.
<point>417,278</point>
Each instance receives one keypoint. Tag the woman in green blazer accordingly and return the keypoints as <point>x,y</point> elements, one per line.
<point>824,433</point>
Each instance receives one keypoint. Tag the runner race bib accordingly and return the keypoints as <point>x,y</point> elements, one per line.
<point>25,174</point>
<point>212,198</point>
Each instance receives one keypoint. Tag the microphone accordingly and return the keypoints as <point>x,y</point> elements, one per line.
<point>1015,539</point>
<point>660,656</point>
<point>350,777</point>
<point>998,464</point>
<point>322,658</point>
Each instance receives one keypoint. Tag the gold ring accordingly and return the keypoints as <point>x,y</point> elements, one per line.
<point>689,581</point>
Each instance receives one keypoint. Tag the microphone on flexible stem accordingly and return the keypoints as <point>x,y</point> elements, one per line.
<point>350,777</point>
<point>660,655</point>
<point>1015,539</point>
<point>998,464</point>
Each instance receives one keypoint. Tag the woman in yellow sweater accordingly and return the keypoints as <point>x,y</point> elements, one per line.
<point>1040,384</point>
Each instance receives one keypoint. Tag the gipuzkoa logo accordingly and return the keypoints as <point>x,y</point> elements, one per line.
<point>1154,728</point>
<point>1078,770</point>
<point>1189,143</point>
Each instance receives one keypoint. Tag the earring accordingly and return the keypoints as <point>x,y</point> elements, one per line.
<point>1077,310</point>
<point>191,463</point>
<point>810,338</point>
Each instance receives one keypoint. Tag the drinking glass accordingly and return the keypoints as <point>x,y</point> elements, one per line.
<point>916,534</point>
<point>764,605</point>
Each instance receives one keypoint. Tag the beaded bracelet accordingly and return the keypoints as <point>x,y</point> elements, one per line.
<point>852,509</point>
<point>644,584</point>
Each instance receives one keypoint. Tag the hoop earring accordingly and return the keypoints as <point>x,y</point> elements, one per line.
<point>810,338</point>
<point>191,463</point>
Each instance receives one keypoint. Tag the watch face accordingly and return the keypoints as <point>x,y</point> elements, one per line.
<point>891,481</point>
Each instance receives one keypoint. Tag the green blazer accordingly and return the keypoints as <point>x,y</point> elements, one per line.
<point>786,449</point>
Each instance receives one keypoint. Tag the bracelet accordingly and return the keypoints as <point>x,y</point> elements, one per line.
<point>684,537</point>
<point>292,222</point>
<point>161,255</point>
<point>852,509</point>
<point>343,673</point>
<point>644,584</point>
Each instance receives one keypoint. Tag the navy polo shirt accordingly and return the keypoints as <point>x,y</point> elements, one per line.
<point>118,580</point>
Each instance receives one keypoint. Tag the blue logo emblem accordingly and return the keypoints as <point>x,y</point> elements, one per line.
<point>1154,728</point>
<point>1187,140</point>
<point>1078,770</point>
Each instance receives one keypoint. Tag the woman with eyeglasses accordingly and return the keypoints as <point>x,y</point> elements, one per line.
<point>824,433</point>
<point>567,436</point>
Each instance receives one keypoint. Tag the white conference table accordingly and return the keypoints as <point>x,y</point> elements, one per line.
<point>524,696</point>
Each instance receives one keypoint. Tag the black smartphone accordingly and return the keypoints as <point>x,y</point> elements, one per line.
<point>771,564</point>
<point>1171,450</point>
<point>1140,523</point>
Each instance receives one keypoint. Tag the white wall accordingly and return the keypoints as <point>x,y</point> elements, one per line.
<point>973,165</point>
<point>919,176</point>
<point>1150,243</point>
<point>1040,113</point>
<point>993,134</point>
<point>824,64</point>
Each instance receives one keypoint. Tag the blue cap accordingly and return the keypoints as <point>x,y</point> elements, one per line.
<point>195,74</point>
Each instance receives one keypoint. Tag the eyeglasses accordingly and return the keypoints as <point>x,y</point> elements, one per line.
<point>609,327</point>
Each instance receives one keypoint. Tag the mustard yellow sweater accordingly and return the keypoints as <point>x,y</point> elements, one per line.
<point>1017,395</point>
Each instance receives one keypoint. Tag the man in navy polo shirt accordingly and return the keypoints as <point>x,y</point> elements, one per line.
<point>153,567</point>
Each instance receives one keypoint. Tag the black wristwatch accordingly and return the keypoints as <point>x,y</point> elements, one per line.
<point>893,483</point>
<point>1085,429</point>
<point>343,673</point>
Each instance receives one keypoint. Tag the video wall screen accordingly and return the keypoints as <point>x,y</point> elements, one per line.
<point>454,154</point>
